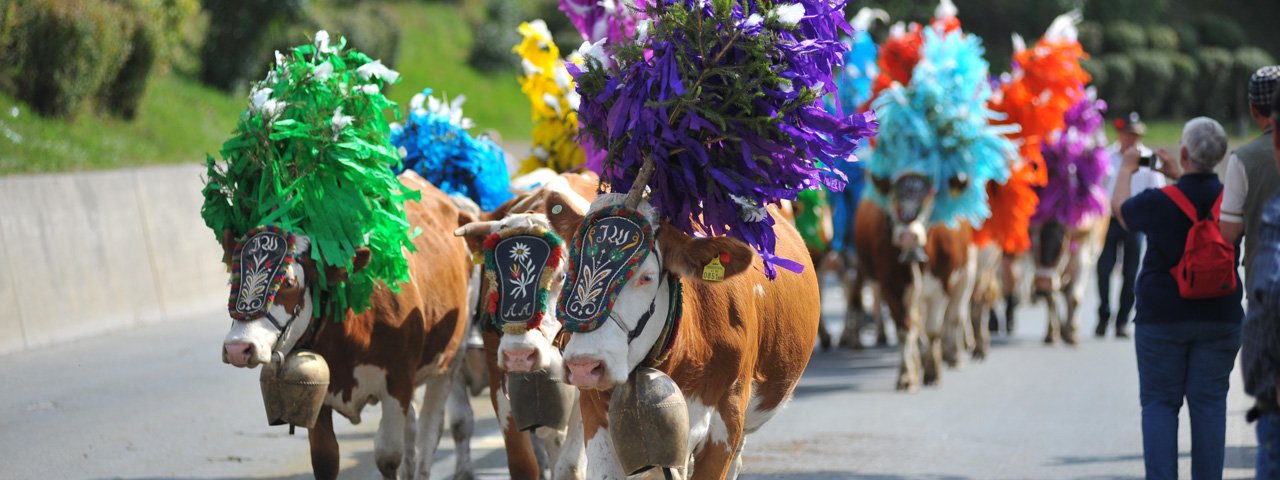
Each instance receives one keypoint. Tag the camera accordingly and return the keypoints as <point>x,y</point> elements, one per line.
<point>1145,160</point>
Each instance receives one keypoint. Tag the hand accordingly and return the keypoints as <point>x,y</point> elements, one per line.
<point>1168,165</point>
<point>1130,162</point>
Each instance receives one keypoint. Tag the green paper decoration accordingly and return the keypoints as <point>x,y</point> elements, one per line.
<point>312,154</point>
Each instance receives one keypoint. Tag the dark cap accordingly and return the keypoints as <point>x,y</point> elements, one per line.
<point>1263,85</point>
<point>1132,124</point>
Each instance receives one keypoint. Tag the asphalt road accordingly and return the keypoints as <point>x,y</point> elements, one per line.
<point>157,403</point>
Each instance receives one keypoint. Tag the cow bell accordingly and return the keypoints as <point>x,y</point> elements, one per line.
<point>649,422</point>
<point>538,400</point>
<point>293,388</point>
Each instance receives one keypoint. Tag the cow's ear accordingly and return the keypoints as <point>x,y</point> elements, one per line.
<point>228,245</point>
<point>361,259</point>
<point>883,185</point>
<point>688,256</point>
<point>564,217</point>
<point>475,233</point>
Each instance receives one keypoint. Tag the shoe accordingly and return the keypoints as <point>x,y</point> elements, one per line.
<point>1101,330</point>
<point>1122,332</point>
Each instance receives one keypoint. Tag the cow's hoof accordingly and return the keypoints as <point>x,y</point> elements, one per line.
<point>464,476</point>
<point>1070,340</point>
<point>825,342</point>
<point>908,386</point>
<point>932,381</point>
<point>1049,340</point>
<point>979,355</point>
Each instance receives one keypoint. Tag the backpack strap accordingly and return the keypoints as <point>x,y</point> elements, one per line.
<point>1183,202</point>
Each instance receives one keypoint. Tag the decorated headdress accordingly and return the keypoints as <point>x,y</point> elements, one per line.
<point>938,126</point>
<point>611,22</point>
<point>434,142</point>
<point>312,156</point>
<point>1046,81</point>
<point>902,49</point>
<point>554,102</point>
<point>726,133</point>
<point>1077,164</point>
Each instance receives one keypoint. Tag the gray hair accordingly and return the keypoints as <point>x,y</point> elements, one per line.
<point>1206,143</point>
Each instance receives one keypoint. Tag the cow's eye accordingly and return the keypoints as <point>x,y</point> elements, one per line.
<point>645,279</point>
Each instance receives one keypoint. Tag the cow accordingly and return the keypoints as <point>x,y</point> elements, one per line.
<point>381,355</point>
<point>987,288</point>
<point>923,274</point>
<point>736,351</point>
<point>556,204</point>
<point>1063,257</point>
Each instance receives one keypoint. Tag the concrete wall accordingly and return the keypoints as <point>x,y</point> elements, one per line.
<point>87,253</point>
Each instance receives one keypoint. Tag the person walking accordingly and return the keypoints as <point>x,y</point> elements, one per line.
<point>1185,348</point>
<point>1129,132</point>
<point>1252,178</point>
<point>1260,354</point>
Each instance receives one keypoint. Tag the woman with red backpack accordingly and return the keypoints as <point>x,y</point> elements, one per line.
<point>1188,310</point>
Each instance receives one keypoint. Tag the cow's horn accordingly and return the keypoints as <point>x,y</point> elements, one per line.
<point>642,178</point>
<point>473,228</point>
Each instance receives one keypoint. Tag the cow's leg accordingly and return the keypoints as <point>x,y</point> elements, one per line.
<point>573,455</point>
<point>553,442</point>
<point>908,345</point>
<point>521,462</point>
<point>431,420</point>
<point>855,313</point>
<point>389,442</point>
<point>324,446</point>
<point>1051,316</point>
<point>715,460</point>
<point>877,316</point>
<point>462,424</point>
<point>1073,291</point>
<point>410,436</point>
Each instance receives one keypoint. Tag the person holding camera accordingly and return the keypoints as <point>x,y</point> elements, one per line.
<point>1129,132</point>
<point>1188,330</point>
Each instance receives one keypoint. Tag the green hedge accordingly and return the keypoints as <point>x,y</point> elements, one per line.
<point>1162,37</point>
<point>1183,97</point>
<point>66,51</point>
<point>1122,36</point>
<point>1220,31</point>
<point>1153,77</point>
<point>495,35</point>
<point>1120,80</point>
<point>123,93</point>
<point>1215,82</point>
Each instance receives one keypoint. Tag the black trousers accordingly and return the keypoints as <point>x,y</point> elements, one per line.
<point>1118,240</point>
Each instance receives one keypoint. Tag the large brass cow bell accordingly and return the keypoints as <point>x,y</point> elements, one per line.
<point>293,388</point>
<point>649,422</point>
<point>538,400</point>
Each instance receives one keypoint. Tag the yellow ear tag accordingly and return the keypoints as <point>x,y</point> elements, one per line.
<point>477,258</point>
<point>714,271</point>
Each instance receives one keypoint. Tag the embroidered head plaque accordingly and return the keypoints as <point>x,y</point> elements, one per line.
<point>609,245</point>
<point>520,264</point>
<point>259,265</point>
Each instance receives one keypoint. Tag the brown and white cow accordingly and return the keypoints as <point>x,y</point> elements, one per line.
<point>738,352</point>
<point>557,204</point>
<point>403,340</point>
<point>923,274</point>
<point>1063,258</point>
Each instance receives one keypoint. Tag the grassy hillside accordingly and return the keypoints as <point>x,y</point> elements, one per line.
<point>180,121</point>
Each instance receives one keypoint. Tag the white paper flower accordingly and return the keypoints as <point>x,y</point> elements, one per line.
<point>323,71</point>
<point>642,31</point>
<point>271,109</point>
<point>562,77</point>
<point>752,20</point>
<point>340,121</point>
<point>788,15</point>
<point>595,50</point>
<point>574,99</point>
<point>322,41</point>
<point>368,89</point>
<point>552,102</point>
<point>377,69</point>
<point>259,97</point>
<point>529,68</point>
<point>749,210</point>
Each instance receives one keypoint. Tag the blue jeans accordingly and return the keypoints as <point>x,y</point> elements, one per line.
<point>1269,446</point>
<point>1191,360</point>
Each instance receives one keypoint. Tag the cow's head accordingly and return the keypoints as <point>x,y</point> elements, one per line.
<point>271,292</point>
<point>910,197</point>
<point>525,272</point>
<point>1051,242</point>
<point>625,269</point>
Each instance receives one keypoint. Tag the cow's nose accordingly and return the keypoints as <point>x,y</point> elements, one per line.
<point>585,372</point>
<point>237,353</point>
<point>519,359</point>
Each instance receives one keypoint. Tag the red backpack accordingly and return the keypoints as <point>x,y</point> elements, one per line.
<point>1208,265</point>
